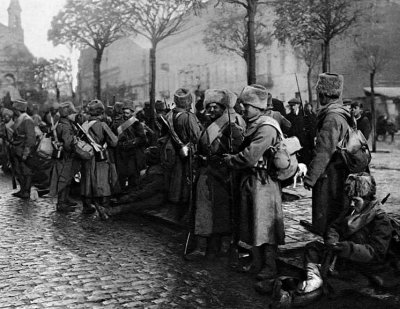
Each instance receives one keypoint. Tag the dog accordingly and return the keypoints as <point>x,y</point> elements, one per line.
<point>301,172</point>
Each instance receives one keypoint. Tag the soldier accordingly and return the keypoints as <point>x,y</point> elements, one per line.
<point>6,135</point>
<point>296,118</point>
<point>185,130</point>
<point>213,213</point>
<point>98,177</point>
<point>261,218</point>
<point>23,143</point>
<point>327,171</point>
<point>66,165</point>
<point>363,122</point>
<point>130,148</point>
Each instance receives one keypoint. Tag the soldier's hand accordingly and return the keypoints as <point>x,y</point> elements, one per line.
<point>226,157</point>
<point>342,248</point>
<point>24,157</point>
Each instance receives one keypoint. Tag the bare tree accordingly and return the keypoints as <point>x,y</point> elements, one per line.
<point>303,21</point>
<point>227,33</point>
<point>251,7</point>
<point>89,23</point>
<point>311,54</point>
<point>157,20</point>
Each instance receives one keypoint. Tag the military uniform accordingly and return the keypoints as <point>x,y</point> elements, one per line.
<point>23,143</point>
<point>64,168</point>
<point>99,176</point>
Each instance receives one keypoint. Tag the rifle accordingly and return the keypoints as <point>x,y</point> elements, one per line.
<point>7,145</point>
<point>233,251</point>
<point>298,89</point>
<point>190,210</point>
<point>56,143</point>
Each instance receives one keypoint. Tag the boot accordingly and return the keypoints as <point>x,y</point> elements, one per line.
<point>265,286</point>
<point>199,252</point>
<point>314,280</point>
<point>269,270</point>
<point>68,200</point>
<point>87,206</point>
<point>213,246</point>
<point>105,201</point>
<point>62,206</point>
<point>21,188</point>
<point>27,188</point>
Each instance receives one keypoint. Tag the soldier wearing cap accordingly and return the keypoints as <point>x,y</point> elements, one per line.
<point>363,122</point>
<point>261,218</point>
<point>327,171</point>
<point>296,118</point>
<point>187,129</point>
<point>22,146</point>
<point>130,148</point>
<point>213,192</point>
<point>66,165</point>
<point>99,177</point>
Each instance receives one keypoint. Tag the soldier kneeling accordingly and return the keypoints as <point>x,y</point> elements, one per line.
<point>362,236</point>
<point>151,192</point>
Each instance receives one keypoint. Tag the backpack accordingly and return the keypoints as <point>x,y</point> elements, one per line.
<point>283,154</point>
<point>354,150</point>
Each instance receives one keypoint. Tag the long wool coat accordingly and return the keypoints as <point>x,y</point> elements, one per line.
<point>261,218</point>
<point>213,200</point>
<point>99,178</point>
<point>327,171</point>
<point>65,168</point>
<point>188,129</point>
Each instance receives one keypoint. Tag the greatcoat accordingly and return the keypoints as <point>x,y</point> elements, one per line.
<point>99,178</point>
<point>327,171</point>
<point>213,193</point>
<point>188,129</point>
<point>65,168</point>
<point>261,218</point>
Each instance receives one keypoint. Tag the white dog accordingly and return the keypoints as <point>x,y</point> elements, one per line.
<point>301,172</point>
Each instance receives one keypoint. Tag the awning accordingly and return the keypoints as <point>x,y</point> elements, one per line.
<point>390,92</point>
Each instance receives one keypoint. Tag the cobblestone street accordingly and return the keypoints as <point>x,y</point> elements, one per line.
<point>48,260</point>
<point>51,260</point>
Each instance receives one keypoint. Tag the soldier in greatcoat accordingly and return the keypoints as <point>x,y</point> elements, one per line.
<point>327,171</point>
<point>98,174</point>
<point>23,143</point>
<point>214,200</point>
<point>261,218</point>
<point>67,164</point>
<point>187,128</point>
<point>129,152</point>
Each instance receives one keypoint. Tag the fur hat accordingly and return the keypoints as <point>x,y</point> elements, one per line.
<point>70,105</point>
<point>361,185</point>
<point>95,107</point>
<point>160,106</point>
<point>330,84</point>
<point>221,96</point>
<point>7,111</point>
<point>118,106</point>
<point>129,104</point>
<point>294,101</point>
<point>183,98</point>
<point>255,95</point>
<point>20,105</point>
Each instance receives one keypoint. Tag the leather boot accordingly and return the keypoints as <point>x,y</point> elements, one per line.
<point>213,246</point>
<point>21,188</point>
<point>199,252</point>
<point>105,201</point>
<point>314,280</point>
<point>87,206</point>
<point>27,188</point>
<point>62,206</point>
<point>68,200</point>
<point>269,271</point>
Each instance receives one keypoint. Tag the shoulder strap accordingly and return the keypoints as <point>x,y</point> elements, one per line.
<point>269,121</point>
<point>19,121</point>
<point>170,125</point>
<point>126,125</point>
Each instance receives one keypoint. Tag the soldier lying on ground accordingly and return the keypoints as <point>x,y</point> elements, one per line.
<point>362,236</point>
<point>150,194</point>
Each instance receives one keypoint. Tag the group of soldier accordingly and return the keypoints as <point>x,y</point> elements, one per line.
<point>214,173</point>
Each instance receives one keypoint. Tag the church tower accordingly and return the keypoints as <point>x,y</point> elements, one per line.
<point>14,21</point>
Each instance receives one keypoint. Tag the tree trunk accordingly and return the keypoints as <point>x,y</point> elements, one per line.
<point>251,69</point>
<point>97,74</point>
<point>152,84</point>
<point>326,62</point>
<point>309,87</point>
<point>373,131</point>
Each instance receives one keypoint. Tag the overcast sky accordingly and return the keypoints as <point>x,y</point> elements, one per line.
<point>36,18</point>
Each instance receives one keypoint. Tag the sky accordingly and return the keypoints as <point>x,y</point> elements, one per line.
<point>36,18</point>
